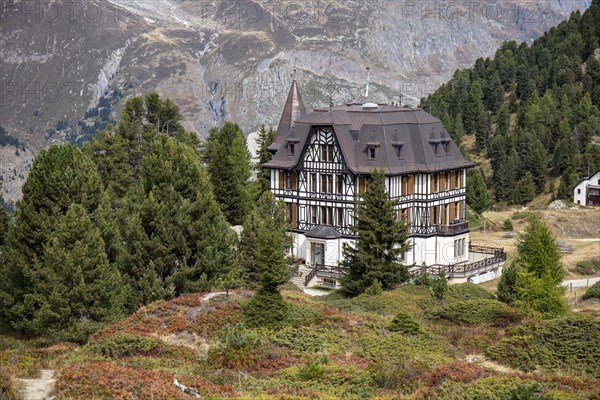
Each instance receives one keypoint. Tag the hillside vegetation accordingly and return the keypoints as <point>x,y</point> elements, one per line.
<point>533,110</point>
<point>333,347</point>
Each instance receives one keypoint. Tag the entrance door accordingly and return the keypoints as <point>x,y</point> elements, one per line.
<point>318,253</point>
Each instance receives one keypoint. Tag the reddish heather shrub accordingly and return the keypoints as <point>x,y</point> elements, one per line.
<point>457,371</point>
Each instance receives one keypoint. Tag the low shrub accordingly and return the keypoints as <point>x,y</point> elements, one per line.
<point>468,291</point>
<point>507,226</point>
<point>593,292</point>
<point>588,267</point>
<point>313,369</point>
<point>457,371</point>
<point>490,388</point>
<point>405,376</point>
<point>126,345</point>
<point>238,337</point>
<point>522,215</point>
<point>6,390</point>
<point>404,323</point>
<point>474,312</point>
<point>569,344</point>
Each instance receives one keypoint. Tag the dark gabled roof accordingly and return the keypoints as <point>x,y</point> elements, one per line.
<point>584,178</point>
<point>385,127</point>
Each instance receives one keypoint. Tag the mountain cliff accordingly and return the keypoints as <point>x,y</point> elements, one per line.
<point>66,68</point>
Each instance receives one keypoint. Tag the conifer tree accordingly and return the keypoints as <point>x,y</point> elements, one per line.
<point>74,287</point>
<point>263,176</point>
<point>60,177</point>
<point>268,215</point>
<point>505,176</point>
<point>381,240</point>
<point>506,290</point>
<point>503,120</point>
<point>112,158</point>
<point>189,242</point>
<point>269,238</point>
<point>540,271</point>
<point>228,164</point>
<point>478,197</point>
<point>525,189</point>
<point>4,220</point>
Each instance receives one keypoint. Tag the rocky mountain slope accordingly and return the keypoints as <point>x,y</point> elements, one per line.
<point>66,68</point>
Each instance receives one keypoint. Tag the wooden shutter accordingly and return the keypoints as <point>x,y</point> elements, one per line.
<point>442,182</point>
<point>294,180</point>
<point>281,179</point>
<point>362,184</point>
<point>294,215</point>
<point>411,184</point>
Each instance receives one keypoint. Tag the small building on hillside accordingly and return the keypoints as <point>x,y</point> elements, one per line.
<point>587,191</point>
<point>322,162</point>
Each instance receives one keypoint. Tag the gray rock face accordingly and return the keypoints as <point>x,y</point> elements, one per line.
<point>233,60</point>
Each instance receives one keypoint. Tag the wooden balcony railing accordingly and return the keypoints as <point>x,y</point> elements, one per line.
<point>458,227</point>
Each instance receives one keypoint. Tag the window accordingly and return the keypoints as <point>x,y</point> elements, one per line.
<point>327,152</point>
<point>408,185</point>
<point>578,191</point>
<point>288,179</point>
<point>404,214</point>
<point>447,147</point>
<point>326,215</point>
<point>362,184</point>
<point>332,283</point>
<point>288,214</point>
<point>313,182</point>
<point>434,183</point>
<point>327,183</point>
<point>340,184</point>
<point>370,153</point>
<point>313,214</point>
<point>340,216</point>
<point>399,152</point>
<point>459,248</point>
<point>436,149</point>
<point>291,149</point>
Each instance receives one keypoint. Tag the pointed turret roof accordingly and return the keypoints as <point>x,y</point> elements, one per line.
<point>294,109</point>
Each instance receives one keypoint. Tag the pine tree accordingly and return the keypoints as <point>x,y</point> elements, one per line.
<point>538,283</point>
<point>381,240</point>
<point>60,177</point>
<point>503,120</point>
<point>505,176</point>
<point>525,189</point>
<point>506,290</point>
<point>268,215</point>
<point>73,286</point>
<point>267,307</point>
<point>228,164</point>
<point>4,220</point>
<point>264,140</point>
<point>112,158</point>
<point>478,197</point>
<point>188,237</point>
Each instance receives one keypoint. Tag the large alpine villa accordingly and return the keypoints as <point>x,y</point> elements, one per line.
<point>322,161</point>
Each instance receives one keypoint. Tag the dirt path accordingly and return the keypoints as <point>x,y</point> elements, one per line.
<point>37,389</point>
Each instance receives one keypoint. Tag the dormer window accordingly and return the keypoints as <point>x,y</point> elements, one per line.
<point>436,149</point>
<point>447,147</point>
<point>399,152</point>
<point>371,153</point>
<point>291,147</point>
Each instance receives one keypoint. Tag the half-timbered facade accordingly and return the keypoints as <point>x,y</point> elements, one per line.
<point>322,161</point>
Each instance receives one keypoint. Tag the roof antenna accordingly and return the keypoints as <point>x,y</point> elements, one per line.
<point>294,74</point>
<point>330,101</point>
<point>368,78</point>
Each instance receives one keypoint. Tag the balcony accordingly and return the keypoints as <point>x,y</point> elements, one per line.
<point>459,226</point>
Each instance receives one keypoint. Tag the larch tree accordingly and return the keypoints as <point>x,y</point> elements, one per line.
<point>539,273</point>
<point>380,243</point>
